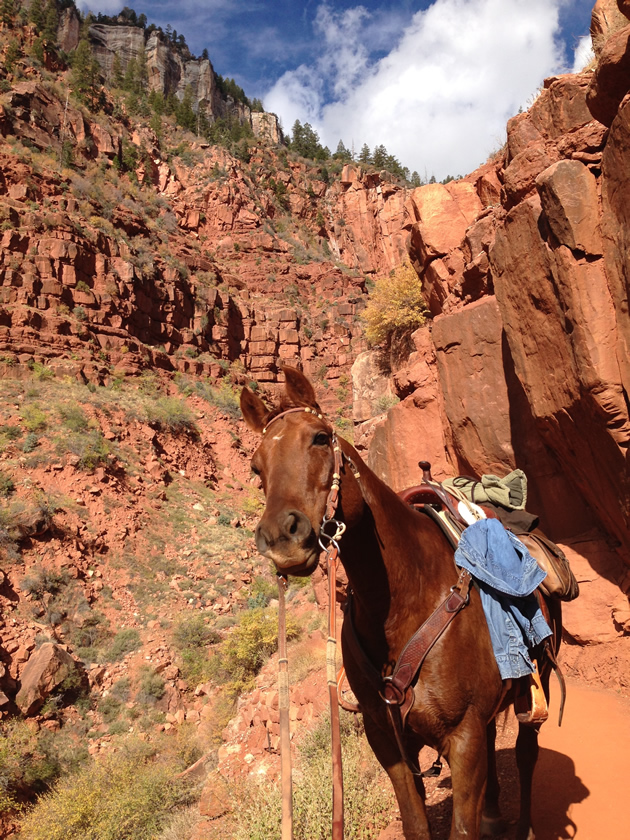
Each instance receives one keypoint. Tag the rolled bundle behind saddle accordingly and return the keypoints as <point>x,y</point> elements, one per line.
<point>505,499</point>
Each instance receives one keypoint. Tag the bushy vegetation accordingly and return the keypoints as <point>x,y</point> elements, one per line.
<point>193,637</point>
<point>368,798</point>
<point>396,306</point>
<point>239,658</point>
<point>129,795</point>
<point>31,760</point>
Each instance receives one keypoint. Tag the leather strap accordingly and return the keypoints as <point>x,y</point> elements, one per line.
<point>283,708</point>
<point>396,686</point>
<point>331,673</point>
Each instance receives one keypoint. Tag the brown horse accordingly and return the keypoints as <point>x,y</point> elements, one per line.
<point>400,567</point>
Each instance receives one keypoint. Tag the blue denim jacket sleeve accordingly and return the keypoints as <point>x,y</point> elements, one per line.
<point>507,574</point>
<point>496,557</point>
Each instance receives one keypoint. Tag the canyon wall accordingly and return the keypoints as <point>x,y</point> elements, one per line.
<point>525,267</point>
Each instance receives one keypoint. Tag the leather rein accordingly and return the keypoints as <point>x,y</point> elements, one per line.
<point>395,689</point>
<point>330,532</point>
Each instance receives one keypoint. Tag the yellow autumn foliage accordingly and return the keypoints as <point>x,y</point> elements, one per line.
<point>396,305</point>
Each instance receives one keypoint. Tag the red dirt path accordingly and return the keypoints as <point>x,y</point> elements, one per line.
<point>581,784</point>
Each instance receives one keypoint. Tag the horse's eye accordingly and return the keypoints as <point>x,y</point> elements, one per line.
<point>320,439</point>
<point>255,470</point>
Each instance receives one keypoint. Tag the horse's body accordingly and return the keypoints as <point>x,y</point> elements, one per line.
<point>400,567</point>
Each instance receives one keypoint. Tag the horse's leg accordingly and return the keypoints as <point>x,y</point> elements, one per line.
<point>492,823</point>
<point>409,789</point>
<point>526,757</point>
<point>467,757</point>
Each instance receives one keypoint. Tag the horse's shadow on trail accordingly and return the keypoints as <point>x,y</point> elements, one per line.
<point>556,789</point>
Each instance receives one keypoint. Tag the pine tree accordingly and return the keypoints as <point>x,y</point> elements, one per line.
<point>37,14</point>
<point>416,180</point>
<point>185,114</point>
<point>7,12</point>
<point>379,158</point>
<point>51,24</point>
<point>365,155</point>
<point>117,73</point>
<point>85,77</point>
<point>342,152</point>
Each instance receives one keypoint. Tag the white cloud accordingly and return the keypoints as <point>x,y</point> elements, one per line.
<point>441,98</point>
<point>583,54</point>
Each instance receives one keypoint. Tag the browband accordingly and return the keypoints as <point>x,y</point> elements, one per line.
<point>292,411</point>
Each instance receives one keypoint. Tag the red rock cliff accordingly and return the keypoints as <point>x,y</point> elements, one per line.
<point>525,267</point>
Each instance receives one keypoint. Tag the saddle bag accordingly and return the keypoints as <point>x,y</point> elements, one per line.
<point>560,581</point>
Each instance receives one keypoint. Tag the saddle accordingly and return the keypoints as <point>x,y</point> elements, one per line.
<point>454,512</point>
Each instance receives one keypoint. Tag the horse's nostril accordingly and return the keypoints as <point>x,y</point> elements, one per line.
<point>262,541</point>
<point>296,525</point>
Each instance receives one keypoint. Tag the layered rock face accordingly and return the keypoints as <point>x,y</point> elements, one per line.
<point>525,267</point>
<point>171,73</point>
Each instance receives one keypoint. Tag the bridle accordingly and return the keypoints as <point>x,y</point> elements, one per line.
<point>330,532</point>
<point>395,689</point>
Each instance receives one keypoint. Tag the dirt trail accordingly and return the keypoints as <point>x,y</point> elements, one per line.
<point>581,780</point>
<point>581,783</point>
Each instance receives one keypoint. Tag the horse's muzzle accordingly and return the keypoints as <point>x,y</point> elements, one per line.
<point>289,540</point>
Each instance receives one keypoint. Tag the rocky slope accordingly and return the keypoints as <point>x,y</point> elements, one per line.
<point>144,278</point>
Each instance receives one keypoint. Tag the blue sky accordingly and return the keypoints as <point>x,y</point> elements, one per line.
<point>435,82</point>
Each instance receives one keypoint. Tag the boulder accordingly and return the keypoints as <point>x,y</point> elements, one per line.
<point>372,391</point>
<point>439,215</point>
<point>615,225</point>
<point>45,672</point>
<point>416,428</point>
<point>568,192</point>
<point>589,620</point>
<point>606,18</point>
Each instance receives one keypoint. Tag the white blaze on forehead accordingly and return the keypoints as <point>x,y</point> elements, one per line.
<point>277,437</point>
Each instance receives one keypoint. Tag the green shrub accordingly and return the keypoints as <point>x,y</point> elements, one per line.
<point>125,641</point>
<point>6,484</point>
<point>368,797</point>
<point>34,418</point>
<point>192,637</point>
<point>73,417</point>
<point>194,632</point>
<point>169,413</point>
<point>396,306</point>
<point>249,645</point>
<point>110,708</point>
<point>30,761</point>
<point>150,686</point>
<point>10,433</point>
<point>129,795</point>
<point>223,397</point>
<point>91,448</point>
<point>121,689</point>
<point>43,582</point>
<point>31,441</point>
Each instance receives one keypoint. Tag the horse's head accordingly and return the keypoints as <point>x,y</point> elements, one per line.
<point>295,464</point>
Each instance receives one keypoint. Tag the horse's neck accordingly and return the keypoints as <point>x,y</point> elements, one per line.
<point>388,557</point>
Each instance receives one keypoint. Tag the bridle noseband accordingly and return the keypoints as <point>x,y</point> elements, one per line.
<point>328,541</point>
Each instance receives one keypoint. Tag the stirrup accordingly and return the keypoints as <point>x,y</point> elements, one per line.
<point>530,704</point>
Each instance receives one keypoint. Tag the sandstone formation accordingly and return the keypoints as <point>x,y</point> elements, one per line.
<point>528,365</point>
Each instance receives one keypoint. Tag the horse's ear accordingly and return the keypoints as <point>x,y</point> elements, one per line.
<point>254,410</point>
<point>298,389</point>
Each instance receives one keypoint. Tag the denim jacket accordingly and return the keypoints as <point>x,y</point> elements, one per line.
<point>507,575</point>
